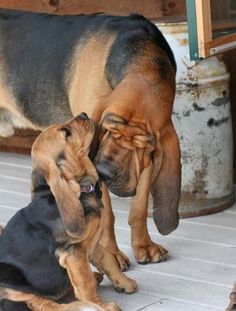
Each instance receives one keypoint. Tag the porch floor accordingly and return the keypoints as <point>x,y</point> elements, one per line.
<point>200,271</point>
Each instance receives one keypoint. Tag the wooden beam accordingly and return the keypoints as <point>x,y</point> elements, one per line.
<point>204,25</point>
<point>149,8</point>
<point>21,142</point>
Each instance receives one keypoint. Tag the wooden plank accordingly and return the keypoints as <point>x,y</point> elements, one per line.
<point>15,159</point>
<point>170,305</point>
<point>14,172</point>
<point>204,27</point>
<point>21,186</point>
<point>174,8</point>
<point>220,41</point>
<point>151,8</point>
<point>198,275</point>
<point>134,302</point>
<point>20,142</point>
<point>170,287</point>
<point>217,220</point>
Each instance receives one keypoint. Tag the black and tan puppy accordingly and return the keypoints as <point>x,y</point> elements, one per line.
<point>121,72</point>
<point>44,248</point>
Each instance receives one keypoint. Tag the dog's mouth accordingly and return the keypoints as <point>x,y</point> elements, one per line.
<point>87,189</point>
<point>90,188</point>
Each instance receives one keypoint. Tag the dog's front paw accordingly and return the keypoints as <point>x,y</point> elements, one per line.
<point>110,306</point>
<point>127,285</point>
<point>122,260</point>
<point>149,253</point>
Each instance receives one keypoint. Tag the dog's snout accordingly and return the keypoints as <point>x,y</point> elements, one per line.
<point>83,116</point>
<point>105,171</point>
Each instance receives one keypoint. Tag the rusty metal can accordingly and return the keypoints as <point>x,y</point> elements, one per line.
<point>202,118</point>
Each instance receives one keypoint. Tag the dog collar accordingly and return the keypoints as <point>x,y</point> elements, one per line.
<point>87,189</point>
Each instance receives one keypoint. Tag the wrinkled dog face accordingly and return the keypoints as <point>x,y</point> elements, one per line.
<point>125,150</point>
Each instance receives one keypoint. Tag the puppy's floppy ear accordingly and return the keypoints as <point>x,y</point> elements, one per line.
<point>66,192</point>
<point>166,185</point>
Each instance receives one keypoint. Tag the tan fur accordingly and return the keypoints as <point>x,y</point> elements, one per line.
<point>86,80</point>
<point>144,248</point>
<point>108,239</point>
<point>36,303</point>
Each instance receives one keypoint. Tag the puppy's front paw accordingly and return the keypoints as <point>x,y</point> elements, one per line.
<point>110,306</point>
<point>127,285</point>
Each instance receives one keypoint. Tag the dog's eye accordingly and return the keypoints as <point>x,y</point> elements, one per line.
<point>66,130</point>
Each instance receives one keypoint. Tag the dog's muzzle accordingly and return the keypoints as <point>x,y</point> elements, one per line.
<point>87,189</point>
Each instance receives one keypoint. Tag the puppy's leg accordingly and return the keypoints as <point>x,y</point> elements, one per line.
<point>75,261</point>
<point>108,239</point>
<point>36,303</point>
<point>145,250</point>
<point>106,263</point>
<point>1,229</point>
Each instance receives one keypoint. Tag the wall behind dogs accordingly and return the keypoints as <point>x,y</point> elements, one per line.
<point>150,8</point>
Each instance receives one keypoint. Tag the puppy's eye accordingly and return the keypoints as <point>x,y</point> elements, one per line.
<point>67,131</point>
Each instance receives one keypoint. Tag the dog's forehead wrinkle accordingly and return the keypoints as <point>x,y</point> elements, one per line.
<point>113,118</point>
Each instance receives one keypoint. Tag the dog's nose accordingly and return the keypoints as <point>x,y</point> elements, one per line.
<point>83,116</point>
<point>105,171</point>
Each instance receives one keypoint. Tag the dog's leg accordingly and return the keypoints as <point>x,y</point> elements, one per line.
<point>106,263</point>
<point>145,250</point>
<point>75,261</point>
<point>1,229</point>
<point>36,303</point>
<point>232,297</point>
<point>108,239</point>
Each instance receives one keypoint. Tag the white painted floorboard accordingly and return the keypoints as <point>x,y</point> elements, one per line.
<point>200,271</point>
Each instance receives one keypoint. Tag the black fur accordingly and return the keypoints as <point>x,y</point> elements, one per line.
<point>29,242</point>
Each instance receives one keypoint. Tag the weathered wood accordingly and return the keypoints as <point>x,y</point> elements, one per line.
<point>174,8</point>
<point>150,8</point>
<point>21,142</point>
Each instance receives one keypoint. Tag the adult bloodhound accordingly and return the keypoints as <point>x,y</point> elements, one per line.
<point>45,248</point>
<point>121,72</point>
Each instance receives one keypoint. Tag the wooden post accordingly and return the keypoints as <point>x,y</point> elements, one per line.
<point>204,25</point>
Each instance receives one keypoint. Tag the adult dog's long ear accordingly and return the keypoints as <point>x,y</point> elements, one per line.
<point>66,192</point>
<point>166,186</point>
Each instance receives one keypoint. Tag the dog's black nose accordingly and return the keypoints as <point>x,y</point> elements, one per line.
<point>105,171</point>
<point>83,116</point>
